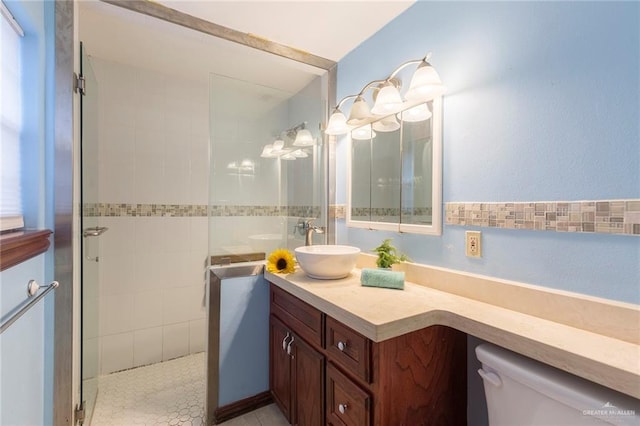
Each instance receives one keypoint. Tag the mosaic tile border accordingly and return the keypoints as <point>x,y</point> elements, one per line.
<point>194,210</point>
<point>389,211</point>
<point>620,217</point>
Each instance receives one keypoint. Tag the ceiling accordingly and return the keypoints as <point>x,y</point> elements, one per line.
<point>329,29</point>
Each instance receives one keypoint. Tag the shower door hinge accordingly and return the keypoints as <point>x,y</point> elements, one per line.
<point>79,411</point>
<point>79,85</point>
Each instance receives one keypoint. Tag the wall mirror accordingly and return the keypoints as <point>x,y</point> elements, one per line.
<point>395,172</point>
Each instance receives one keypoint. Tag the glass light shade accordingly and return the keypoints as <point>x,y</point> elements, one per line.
<point>288,157</point>
<point>268,152</point>
<point>299,154</point>
<point>425,84</point>
<point>337,124</point>
<point>277,145</point>
<point>303,138</point>
<point>363,133</point>
<point>417,113</point>
<point>360,112</point>
<point>387,124</point>
<point>388,100</point>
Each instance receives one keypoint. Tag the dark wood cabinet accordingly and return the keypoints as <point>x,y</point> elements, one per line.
<point>323,370</point>
<point>296,375</point>
<point>280,366</point>
<point>308,385</point>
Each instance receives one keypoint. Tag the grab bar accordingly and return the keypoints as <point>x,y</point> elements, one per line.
<point>32,289</point>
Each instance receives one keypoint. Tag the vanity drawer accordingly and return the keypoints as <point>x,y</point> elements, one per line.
<point>302,318</point>
<point>348,348</point>
<point>347,403</point>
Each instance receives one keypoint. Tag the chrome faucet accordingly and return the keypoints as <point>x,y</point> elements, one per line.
<point>307,229</point>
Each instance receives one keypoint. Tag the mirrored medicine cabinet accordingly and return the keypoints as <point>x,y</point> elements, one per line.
<point>395,172</point>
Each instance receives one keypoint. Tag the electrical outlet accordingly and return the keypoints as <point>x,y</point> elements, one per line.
<point>473,245</point>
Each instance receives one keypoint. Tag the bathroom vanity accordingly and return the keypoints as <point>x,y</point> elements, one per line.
<point>344,354</point>
<point>324,372</point>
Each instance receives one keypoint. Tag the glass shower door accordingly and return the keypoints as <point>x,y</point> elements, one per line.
<point>91,230</point>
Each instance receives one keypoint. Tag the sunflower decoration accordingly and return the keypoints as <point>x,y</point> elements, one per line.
<point>281,262</point>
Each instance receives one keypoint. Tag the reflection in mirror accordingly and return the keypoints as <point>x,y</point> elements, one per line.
<point>385,177</point>
<point>417,165</point>
<point>361,180</point>
<point>395,172</point>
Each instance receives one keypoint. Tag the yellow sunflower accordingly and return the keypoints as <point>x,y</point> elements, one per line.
<point>281,262</point>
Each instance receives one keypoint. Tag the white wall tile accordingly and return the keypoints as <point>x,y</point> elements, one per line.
<point>117,181</point>
<point>147,346</point>
<point>177,149</point>
<point>154,149</point>
<point>149,235</point>
<point>149,183</point>
<point>176,185</point>
<point>196,270</point>
<point>178,116</point>
<point>147,309</point>
<point>197,335</point>
<point>199,236</point>
<point>150,271</point>
<point>117,353</point>
<point>175,340</point>
<point>117,314</point>
<point>176,269</point>
<point>176,234</point>
<point>90,358</point>
<point>118,139</point>
<point>117,273</point>
<point>117,239</point>
<point>182,304</point>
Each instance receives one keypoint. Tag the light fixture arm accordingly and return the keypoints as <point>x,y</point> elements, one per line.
<point>343,100</point>
<point>406,64</point>
<point>291,133</point>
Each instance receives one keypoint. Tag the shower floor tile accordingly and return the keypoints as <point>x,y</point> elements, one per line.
<point>167,393</point>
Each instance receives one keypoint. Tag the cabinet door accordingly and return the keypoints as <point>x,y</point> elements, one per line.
<point>280,366</point>
<point>308,379</point>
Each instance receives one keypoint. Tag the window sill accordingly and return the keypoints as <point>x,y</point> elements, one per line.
<point>16,247</point>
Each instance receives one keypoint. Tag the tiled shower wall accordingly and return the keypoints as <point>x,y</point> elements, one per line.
<point>153,140</point>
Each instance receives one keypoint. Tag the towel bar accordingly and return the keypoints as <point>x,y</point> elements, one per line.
<point>32,289</point>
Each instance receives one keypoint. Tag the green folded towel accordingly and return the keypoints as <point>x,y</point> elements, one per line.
<point>382,278</point>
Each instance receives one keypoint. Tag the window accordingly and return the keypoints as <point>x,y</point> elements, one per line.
<point>10,122</point>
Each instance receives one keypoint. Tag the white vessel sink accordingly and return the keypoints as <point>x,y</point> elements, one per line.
<point>327,262</point>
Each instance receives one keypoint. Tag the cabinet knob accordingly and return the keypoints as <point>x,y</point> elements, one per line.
<point>342,408</point>
<point>342,345</point>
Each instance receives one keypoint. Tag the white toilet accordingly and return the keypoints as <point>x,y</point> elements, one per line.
<point>521,391</point>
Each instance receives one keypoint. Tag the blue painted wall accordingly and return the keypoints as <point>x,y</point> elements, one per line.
<point>542,105</point>
<point>26,366</point>
<point>244,338</point>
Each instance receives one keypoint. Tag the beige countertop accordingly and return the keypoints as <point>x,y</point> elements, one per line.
<point>381,314</point>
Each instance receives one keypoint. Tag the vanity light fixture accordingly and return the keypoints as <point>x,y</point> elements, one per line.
<point>387,124</point>
<point>425,85</point>
<point>388,100</point>
<point>303,138</point>
<point>363,133</point>
<point>417,113</point>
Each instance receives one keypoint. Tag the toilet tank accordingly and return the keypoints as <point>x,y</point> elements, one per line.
<point>521,391</point>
